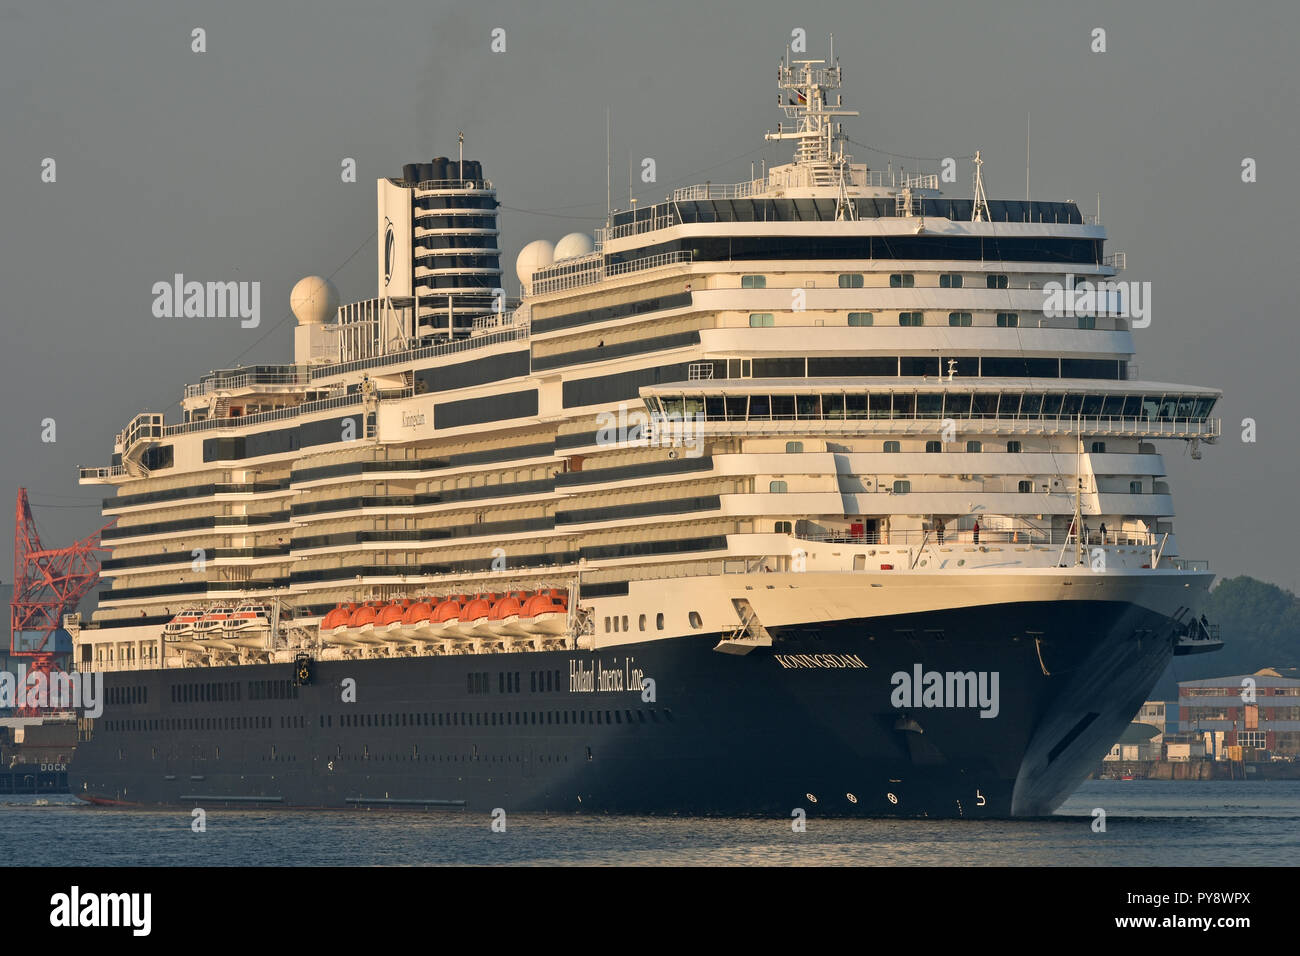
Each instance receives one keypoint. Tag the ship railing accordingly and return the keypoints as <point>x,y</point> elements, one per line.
<point>306,408</point>
<point>599,271</point>
<point>1206,428</point>
<point>742,190</point>
<point>509,334</point>
<point>481,184</point>
<point>1020,534</point>
<point>652,223</point>
<point>245,379</point>
<point>111,471</point>
<point>1116,260</point>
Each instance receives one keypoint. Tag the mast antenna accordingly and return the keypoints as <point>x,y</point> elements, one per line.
<point>980,207</point>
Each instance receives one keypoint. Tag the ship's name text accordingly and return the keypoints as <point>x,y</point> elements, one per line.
<point>830,661</point>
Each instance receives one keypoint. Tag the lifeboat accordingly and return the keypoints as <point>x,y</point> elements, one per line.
<point>546,612</point>
<point>211,623</point>
<point>339,632</point>
<point>248,625</point>
<point>361,625</point>
<point>445,616</point>
<point>415,620</point>
<point>473,620</point>
<point>389,622</point>
<point>247,617</point>
<point>504,619</point>
<point>332,619</point>
<point>182,625</point>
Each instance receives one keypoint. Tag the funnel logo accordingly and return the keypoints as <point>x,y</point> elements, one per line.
<point>390,244</point>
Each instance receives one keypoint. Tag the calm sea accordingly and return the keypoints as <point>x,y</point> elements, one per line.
<point>1148,823</point>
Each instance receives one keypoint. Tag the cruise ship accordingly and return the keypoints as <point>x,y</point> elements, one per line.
<point>791,495</point>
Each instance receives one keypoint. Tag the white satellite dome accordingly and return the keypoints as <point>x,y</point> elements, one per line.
<point>314,300</point>
<point>538,254</point>
<point>574,244</point>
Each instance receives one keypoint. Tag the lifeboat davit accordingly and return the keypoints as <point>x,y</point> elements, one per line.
<point>546,613</point>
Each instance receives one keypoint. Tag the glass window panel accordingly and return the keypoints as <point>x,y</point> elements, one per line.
<point>1113,406</point>
<point>1072,404</point>
<point>957,405</point>
<point>984,405</point>
<point>1132,406</point>
<point>929,405</point>
<point>808,406</point>
<point>881,405</point>
<point>713,408</point>
<point>904,405</point>
<point>1031,404</point>
<point>760,408</point>
<point>736,407</point>
<point>1009,406</point>
<point>1052,405</point>
<point>1092,406</point>
<point>861,318</point>
<point>919,365</point>
<point>856,406</point>
<point>833,405</point>
<point>783,406</point>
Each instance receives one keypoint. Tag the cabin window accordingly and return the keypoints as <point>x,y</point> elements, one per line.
<point>861,318</point>
<point>753,282</point>
<point>1099,448</point>
<point>933,447</point>
<point>1008,320</point>
<point>1135,487</point>
<point>1026,486</point>
<point>641,623</point>
<point>911,319</point>
<point>783,527</point>
<point>996,281</point>
<point>960,319</point>
<point>853,281</point>
<point>902,280</point>
<point>1087,321</point>
<point>696,621</point>
<point>606,625</point>
<point>974,446</point>
<point>893,447</point>
<point>761,320</point>
<point>793,447</point>
<point>625,622</point>
<point>777,487</point>
<point>902,487</point>
<point>1013,447</point>
<point>659,621</point>
<point>950,280</point>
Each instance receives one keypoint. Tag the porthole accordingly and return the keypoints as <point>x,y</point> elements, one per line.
<point>696,621</point>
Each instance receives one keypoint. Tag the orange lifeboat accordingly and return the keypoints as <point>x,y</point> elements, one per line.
<point>474,616</point>
<point>546,613</point>
<point>446,615</point>
<point>415,619</point>
<point>504,617</point>
<point>333,617</point>
<point>390,617</point>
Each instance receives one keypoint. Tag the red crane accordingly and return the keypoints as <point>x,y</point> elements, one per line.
<point>48,583</point>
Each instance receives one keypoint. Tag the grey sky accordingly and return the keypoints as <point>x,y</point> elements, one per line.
<point>225,165</point>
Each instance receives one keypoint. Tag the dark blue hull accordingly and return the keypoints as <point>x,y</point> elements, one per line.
<point>811,723</point>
